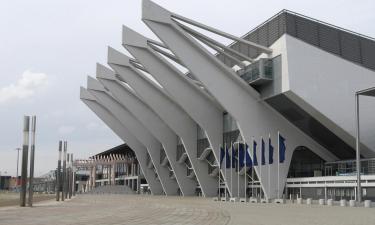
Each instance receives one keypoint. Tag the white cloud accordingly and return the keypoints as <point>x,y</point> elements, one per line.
<point>66,129</point>
<point>25,87</point>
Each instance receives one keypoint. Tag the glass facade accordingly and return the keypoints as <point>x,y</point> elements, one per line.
<point>261,69</point>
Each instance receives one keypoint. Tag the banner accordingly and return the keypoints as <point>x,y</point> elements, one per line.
<point>282,148</point>
<point>263,153</point>
<point>241,149</point>
<point>222,155</point>
<point>270,151</point>
<point>233,156</point>
<point>227,159</point>
<point>255,160</point>
<point>249,162</point>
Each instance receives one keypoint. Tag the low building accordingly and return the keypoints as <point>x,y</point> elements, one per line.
<point>116,166</point>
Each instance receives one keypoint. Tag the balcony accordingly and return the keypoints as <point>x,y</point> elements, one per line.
<point>183,158</point>
<point>205,153</point>
<point>149,163</point>
<point>258,72</point>
<point>213,171</point>
<point>190,173</point>
<point>164,161</point>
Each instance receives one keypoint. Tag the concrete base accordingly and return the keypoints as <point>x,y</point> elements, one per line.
<point>352,203</point>
<point>216,199</point>
<point>367,203</point>
<point>244,199</point>
<point>321,201</point>
<point>279,201</point>
<point>235,199</point>
<point>223,199</point>
<point>299,200</point>
<point>254,200</point>
<point>330,202</point>
<point>308,201</point>
<point>343,202</point>
<point>265,200</point>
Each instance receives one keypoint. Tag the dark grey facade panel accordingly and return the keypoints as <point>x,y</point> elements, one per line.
<point>263,35</point>
<point>310,126</point>
<point>350,46</point>
<point>290,25</point>
<point>368,53</point>
<point>274,30</point>
<point>328,40</point>
<point>307,31</point>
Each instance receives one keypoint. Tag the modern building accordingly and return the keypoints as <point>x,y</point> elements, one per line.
<point>269,116</point>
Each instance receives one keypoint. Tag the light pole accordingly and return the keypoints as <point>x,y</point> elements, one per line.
<point>18,159</point>
<point>365,92</point>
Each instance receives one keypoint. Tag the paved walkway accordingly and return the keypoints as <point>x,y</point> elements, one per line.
<point>136,209</point>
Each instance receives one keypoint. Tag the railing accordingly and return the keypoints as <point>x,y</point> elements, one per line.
<point>258,70</point>
<point>162,155</point>
<point>331,181</point>
<point>180,151</point>
<point>202,144</point>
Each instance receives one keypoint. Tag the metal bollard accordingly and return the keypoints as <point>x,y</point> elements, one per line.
<point>309,201</point>
<point>367,203</point>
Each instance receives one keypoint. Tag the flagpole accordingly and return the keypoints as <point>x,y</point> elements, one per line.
<point>219,173</point>
<point>260,166</point>
<point>278,164</point>
<point>244,146</point>
<point>225,171</point>
<point>252,170</point>
<point>238,169</point>
<point>231,171</point>
<point>269,165</point>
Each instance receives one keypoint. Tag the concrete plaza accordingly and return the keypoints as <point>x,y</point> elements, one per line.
<point>137,209</point>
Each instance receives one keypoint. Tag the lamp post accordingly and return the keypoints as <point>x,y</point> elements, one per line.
<point>18,159</point>
<point>365,92</point>
<point>25,152</point>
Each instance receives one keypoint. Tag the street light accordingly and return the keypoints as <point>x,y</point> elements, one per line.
<point>18,157</point>
<point>365,92</point>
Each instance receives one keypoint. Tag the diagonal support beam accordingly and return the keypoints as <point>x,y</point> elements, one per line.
<point>123,133</point>
<point>166,16</point>
<point>254,118</point>
<point>153,146</point>
<point>152,122</point>
<point>195,102</point>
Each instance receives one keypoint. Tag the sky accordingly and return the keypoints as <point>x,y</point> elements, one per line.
<point>47,49</point>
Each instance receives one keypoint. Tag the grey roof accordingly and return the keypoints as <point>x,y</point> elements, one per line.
<point>349,45</point>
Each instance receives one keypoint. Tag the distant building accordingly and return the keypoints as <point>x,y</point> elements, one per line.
<point>5,182</point>
<point>116,166</point>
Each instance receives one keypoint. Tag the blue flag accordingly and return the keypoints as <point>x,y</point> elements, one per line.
<point>241,154</point>
<point>227,159</point>
<point>270,151</point>
<point>222,154</point>
<point>282,149</point>
<point>233,154</point>
<point>249,162</point>
<point>255,160</point>
<point>263,153</point>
